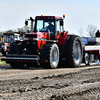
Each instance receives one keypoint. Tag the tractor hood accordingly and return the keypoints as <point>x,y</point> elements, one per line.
<point>36,35</point>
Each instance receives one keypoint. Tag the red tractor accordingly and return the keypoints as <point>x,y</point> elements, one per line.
<point>47,44</point>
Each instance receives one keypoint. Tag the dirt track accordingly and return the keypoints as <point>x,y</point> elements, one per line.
<point>50,84</point>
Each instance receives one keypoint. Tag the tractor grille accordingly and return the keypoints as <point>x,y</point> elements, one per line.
<point>31,44</point>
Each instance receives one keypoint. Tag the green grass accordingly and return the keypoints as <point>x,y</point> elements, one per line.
<point>3,63</point>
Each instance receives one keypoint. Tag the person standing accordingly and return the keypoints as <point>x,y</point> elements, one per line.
<point>97,33</point>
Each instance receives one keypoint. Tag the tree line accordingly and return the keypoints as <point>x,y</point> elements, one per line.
<point>24,29</point>
<point>91,30</point>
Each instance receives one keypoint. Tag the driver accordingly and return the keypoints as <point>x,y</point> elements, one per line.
<point>50,27</point>
<point>11,39</point>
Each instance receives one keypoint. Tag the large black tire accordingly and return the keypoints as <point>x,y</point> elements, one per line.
<point>74,52</point>
<point>50,52</point>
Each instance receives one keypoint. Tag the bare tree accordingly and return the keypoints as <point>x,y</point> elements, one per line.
<point>81,31</point>
<point>91,29</point>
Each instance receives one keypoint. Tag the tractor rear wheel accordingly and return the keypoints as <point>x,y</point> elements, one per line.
<point>74,51</point>
<point>50,52</point>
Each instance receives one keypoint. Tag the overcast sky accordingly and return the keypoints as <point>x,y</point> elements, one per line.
<point>79,13</point>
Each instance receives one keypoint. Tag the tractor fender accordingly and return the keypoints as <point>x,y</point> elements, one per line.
<point>64,37</point>
<point>68,38</point>
<point>49,42</point>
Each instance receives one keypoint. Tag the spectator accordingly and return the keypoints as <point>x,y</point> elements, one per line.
<point>97,33</point>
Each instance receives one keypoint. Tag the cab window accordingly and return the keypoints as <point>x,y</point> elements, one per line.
<point>59,27</point>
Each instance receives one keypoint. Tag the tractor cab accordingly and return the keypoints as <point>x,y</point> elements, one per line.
<point>50,25</point>
<point>8,38</point>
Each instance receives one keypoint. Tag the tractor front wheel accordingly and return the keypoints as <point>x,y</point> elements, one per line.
<point>50,52</point>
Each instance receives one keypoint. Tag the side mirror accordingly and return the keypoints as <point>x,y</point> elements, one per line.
<point>26,23</point>
<point>61,23</point>
<point>31,19</point>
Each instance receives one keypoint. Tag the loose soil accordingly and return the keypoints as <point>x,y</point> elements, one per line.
<point>50,84</point>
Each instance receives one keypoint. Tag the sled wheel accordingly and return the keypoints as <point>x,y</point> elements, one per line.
<point>86,58</point>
